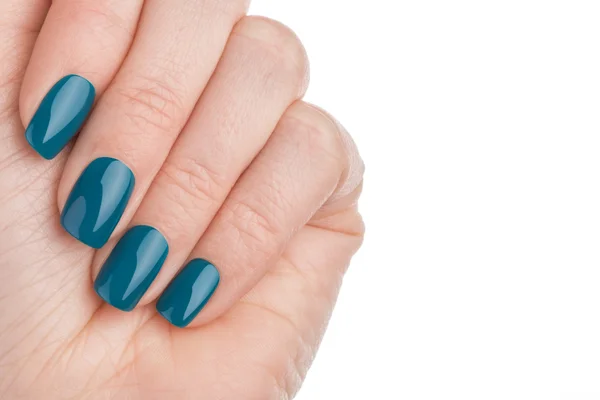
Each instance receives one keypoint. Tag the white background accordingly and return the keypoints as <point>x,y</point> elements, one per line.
<point>479,122</point>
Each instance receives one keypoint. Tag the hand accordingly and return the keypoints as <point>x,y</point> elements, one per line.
<point>201,105</point>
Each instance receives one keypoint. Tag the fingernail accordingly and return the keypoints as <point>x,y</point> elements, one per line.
<point>188,292</point>
<point>131,267</point>
<point>98,201</point>
<point>60,115</point>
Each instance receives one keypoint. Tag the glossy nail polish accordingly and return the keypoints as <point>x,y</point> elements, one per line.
<point>60,115</point>
<point>97,201</point>
<point>131,267</point>
<point>188,292</point>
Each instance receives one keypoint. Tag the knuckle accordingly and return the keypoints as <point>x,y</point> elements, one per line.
<point>281,44</point>
<point>256,227</point>
<point>320,132</point>
<point>236,8</point>
<point>97,14</point>
<point>152,102</point>
<point>194,180</point>
<point>327,142</point>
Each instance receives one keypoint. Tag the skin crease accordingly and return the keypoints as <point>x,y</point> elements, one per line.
<point>257,338</point>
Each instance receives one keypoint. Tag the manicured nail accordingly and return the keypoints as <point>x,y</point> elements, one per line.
<point>188,292</point>
<point>98,201</point>
<point>131,267</point>
<point>60,115</point>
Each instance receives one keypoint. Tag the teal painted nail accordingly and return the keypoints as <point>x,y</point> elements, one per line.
<point>98,201</point>
<point>60,115</point>
<point>188,292</point>
<point>131,267</point>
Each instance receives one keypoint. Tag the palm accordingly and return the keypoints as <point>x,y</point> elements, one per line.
<point>57,338</point>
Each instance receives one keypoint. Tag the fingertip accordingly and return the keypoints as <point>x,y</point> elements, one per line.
<point>60,115</point>
<point>77,52</point>
<point>188,293</point>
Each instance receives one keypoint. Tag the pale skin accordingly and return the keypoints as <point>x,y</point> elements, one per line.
<point>205,105</point>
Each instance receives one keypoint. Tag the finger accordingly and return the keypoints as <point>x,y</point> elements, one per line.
<point>22,16</point>
<point>261,73</point>
<point>20,22</point>
<point>300,167</point>
<point>77,53</point>
<point>176,49</point>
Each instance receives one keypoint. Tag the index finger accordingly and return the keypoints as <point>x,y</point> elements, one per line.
<point>80,47</point>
